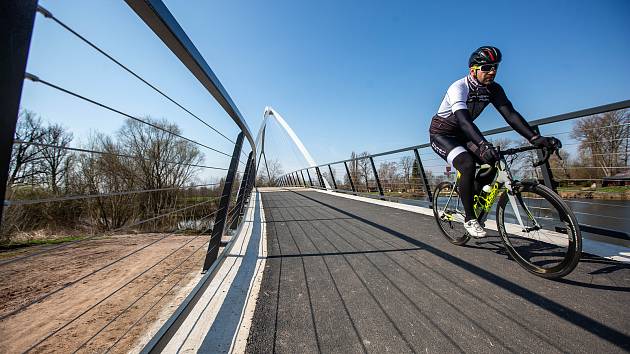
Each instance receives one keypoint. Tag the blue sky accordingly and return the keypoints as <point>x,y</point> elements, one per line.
<point>346,75</point>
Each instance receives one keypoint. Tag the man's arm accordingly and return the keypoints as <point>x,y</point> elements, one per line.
<point>516,121</point>
<point>511,116</point>
<point>468,127</point>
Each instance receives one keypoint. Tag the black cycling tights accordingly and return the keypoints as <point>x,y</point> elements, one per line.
<point>465,164</point>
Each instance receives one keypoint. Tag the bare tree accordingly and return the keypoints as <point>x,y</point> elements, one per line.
<point>56,162</point>
<point>25,156</point>
<point>364,168</point>
<point>387,173</point>
<point>406,164</point>
<point>603,139</point>
<point>269,173</point>
<point>353,167</point>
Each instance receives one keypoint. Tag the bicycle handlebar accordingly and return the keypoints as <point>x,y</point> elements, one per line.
<point>546,153</point>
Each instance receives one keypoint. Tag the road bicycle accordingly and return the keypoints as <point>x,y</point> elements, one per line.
<point>538,229</point>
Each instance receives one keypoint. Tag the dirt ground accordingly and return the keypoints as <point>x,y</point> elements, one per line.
<point>97,295</point>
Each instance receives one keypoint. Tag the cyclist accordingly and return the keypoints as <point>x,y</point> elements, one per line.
<point>455,137</point>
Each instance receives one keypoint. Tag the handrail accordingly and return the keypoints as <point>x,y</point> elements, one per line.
<point>542,121</point>
<point>157,17</point>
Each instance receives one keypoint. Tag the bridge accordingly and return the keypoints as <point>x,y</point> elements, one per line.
<point>344,256</point>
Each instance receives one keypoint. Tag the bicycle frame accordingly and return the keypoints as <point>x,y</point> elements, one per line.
<point>502,182</point>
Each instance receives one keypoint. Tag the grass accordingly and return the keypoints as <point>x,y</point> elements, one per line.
<point>609,189</point>
<point>614,189</point>
<point>29,243</point>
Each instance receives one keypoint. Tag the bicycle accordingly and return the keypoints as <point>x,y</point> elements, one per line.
<point>540,233</point>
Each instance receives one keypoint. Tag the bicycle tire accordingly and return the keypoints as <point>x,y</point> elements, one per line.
<point>548,239</point>
<point>449,228</point>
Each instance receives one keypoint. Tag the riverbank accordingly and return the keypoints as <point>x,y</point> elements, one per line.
<point>604,193</point>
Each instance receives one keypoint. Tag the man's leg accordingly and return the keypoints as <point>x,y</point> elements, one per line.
<point>450,149</point>
<point>465,164</point>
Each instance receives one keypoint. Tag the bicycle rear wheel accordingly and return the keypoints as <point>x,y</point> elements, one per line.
<point>449,217</point>
<point>550,243</point>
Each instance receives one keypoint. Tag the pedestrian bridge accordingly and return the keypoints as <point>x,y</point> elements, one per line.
<point>316,271</point>
<point>312,266</point>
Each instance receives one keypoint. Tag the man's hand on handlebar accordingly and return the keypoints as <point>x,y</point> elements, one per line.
<point>488,153</point>
<point>550,143</point>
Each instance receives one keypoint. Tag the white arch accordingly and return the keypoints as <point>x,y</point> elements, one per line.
<point>260,138</point>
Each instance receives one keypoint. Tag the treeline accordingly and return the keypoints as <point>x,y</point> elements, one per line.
<point>136,158</point>
<point>602,150</point>
<point>401,176</point>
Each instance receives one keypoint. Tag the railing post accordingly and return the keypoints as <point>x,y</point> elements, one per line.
<point>16,27</point>
<point>320,178</point>
<point>423,176</point>
<point>310,181</point>
<point>240,199</point>
<point>349,177</point>
<point>297,177</point>
<point>545,168</point>
<point>378,181</point>
<point>303,179</point>
<point>332,176</point>
<point>224,205</point>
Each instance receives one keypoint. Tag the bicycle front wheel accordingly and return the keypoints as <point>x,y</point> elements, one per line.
<point>449,217</point>
<point>547,239</point>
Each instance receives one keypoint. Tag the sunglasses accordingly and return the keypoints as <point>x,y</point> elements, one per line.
<point>486,67</point>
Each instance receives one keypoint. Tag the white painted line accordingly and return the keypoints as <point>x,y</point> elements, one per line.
<point>598,248</point>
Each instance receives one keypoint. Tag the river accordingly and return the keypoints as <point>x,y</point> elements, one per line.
<point>608,214</point>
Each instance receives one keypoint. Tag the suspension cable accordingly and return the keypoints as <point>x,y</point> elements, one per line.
<point>48,14</point>
<point>37,79</point>
<point>148,310</point>
<point>163,215</point>
<point>143,295</point>
<point>89,196</point>
<point>116,154</point>
<point>105,298</point>
<point>66,244</point>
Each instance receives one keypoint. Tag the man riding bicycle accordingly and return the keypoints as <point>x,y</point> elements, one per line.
<point>457,139</point>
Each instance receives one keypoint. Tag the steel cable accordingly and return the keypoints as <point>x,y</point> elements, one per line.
<point>48,14</point>
<point>116,154</point>
<point>67,285</point>
<point>145,293</point>
<point>106,297</point>
<point>150,308</point>
<point>37,79</point>
<point>70,243</point>
<point>88,196</point>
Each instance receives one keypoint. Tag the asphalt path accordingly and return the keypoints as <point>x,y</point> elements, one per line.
<point>348,276</point>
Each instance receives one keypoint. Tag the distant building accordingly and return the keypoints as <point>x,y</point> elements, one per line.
<point>620,179</point>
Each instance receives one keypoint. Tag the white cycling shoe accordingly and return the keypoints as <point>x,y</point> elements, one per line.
<point>474,229</point>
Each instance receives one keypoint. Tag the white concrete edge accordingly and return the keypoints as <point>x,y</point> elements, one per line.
<point>601,249</point>
<point>192,332</point>
<point>239,342</point>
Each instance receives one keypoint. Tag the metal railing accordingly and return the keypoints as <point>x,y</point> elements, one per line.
<point>225,209</point>
<point>409,174</point>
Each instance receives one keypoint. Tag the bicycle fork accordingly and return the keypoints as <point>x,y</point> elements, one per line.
<point>514,204</point>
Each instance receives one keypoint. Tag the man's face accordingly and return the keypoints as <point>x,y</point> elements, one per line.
<point>484,77</point>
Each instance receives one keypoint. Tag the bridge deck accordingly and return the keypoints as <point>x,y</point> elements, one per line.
<point>348,276</point>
